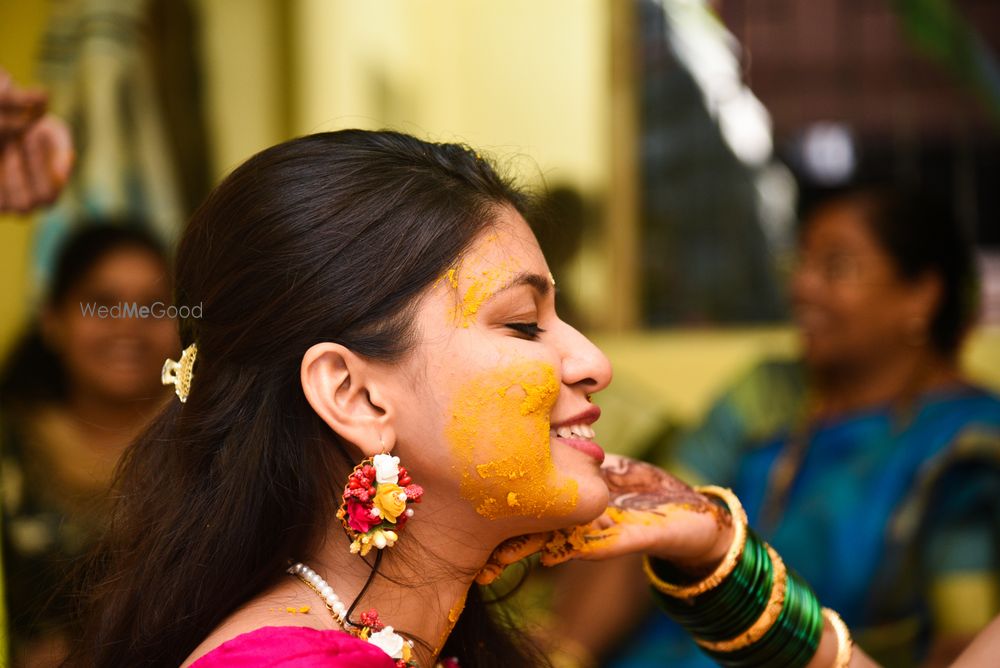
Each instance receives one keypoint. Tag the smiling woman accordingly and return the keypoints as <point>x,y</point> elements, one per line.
<point>504,370</point>
<point>872,463</point>
<point>378,351</point>
<point>74,392</point>
<point>363,293</point>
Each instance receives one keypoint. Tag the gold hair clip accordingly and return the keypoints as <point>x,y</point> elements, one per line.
<point>180,374</point>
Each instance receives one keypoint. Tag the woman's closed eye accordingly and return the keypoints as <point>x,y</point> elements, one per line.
<point>528,329</point>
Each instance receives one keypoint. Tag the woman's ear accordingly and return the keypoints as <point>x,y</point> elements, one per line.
<point>925,295</point>
<point>341,388</point>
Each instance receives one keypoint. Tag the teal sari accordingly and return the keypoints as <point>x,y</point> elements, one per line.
<point>894,520</point>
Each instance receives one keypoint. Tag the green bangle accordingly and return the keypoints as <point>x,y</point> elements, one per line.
<point>751,611</point>
<point>733,607</point>
<point>793,639</point>
<point>764,622</point>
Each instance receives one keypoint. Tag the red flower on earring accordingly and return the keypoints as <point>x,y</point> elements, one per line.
<point>359,516</point>
<point>375,501</point>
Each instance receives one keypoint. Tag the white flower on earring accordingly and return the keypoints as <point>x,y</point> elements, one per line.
<point>386,469</point>
<point>388,641</point>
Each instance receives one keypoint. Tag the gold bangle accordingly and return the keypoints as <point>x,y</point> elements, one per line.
<point>767,618</point>
<point>728,562</point>
<point>845,646</point>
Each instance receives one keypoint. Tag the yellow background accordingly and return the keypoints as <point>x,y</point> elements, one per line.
<point>522,79</point>
<point>518,79</point>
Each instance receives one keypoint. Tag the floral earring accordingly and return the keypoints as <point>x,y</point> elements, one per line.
<point>374,507</point>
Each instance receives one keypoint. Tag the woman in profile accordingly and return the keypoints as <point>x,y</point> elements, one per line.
<point>378,395</point>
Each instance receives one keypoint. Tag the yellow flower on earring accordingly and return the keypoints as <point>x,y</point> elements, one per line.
<point>390,499</point>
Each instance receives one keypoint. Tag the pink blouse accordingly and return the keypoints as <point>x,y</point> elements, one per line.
<point>295,647</point>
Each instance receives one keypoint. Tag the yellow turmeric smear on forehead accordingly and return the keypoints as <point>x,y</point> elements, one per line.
<point>481,286</point>
<point>499,432</point>
<point>482,283</point>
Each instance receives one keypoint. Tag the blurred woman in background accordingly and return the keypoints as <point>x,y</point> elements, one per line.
<point>870,463</point>
<point>74,393</point>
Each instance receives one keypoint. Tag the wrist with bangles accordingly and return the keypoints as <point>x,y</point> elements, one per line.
<point>751,610</point>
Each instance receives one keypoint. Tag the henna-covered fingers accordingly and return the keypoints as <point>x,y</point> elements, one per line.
<point>649,511</point>
<point>658,514</point>
<point>489,573</point>
<point>577,542</point>
<point>510,551</point>
<point>636,485</point>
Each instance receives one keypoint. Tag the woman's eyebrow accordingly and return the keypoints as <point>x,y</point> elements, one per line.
<point>541,284</point>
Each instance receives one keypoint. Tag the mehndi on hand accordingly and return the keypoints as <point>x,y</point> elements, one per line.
<point>649,511</point>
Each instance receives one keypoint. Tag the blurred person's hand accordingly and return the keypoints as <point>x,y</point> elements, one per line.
<point>36,149</point>
<point>19,107</point>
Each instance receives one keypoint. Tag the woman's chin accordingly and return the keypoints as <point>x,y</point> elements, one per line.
<point>592,501</point>
<point>591,490</point>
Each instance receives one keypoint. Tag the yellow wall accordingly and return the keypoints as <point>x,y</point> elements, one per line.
<point>521,79</point>
<point>21,23</point>
<point>518,77</point>
<point>524,81</point>
<point>242,49</point>
<point>683,370</point>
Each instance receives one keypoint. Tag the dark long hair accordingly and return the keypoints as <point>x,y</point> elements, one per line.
<point>329,237</point>
<point>921,235</point>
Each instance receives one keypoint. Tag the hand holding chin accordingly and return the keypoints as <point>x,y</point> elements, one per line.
<point>649,511</point>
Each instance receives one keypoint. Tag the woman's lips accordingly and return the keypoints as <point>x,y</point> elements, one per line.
<point>584,445</point>
<point>578,434</point>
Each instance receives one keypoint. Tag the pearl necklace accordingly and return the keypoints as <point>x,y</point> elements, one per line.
<point>370,630</point>
<point>325,591</point>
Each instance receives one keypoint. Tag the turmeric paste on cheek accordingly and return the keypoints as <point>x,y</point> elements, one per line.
<point>499,433</point>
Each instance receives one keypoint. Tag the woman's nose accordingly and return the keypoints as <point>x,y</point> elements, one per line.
<point>805,281</point>
<point>583,362</point>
